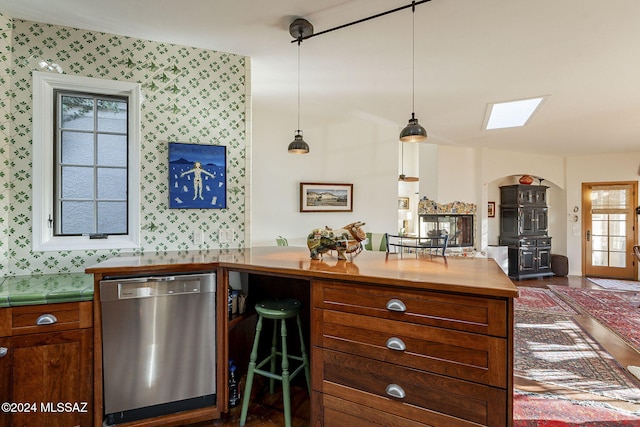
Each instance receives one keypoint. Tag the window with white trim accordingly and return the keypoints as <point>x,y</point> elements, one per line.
<point>86,142</point>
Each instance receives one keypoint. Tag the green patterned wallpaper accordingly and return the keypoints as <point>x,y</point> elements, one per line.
<point>5,102</point>
<point>190,95</point>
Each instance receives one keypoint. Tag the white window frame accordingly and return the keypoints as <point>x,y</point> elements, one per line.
<point>43,156</point>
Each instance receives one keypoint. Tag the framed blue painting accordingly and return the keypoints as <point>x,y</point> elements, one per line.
<point>197,176</point>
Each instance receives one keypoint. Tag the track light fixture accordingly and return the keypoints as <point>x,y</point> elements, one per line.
<point>413,132</point>
<point>299,28</point>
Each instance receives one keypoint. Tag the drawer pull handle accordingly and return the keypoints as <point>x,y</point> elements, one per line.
<point>46,319</point>
<point>394,343</point>
<point>396,305</point>
<point>3,351</point>
<point>394,390</point>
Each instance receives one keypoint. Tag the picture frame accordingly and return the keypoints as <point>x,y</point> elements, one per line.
<point>326,197</point>
<point>403,203</point>
<point>197,176</point>
<point>491,209</point>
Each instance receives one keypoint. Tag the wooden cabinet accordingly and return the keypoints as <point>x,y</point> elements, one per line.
<point>410,358</point>
<point>524,228</point>
<point>47,371</point>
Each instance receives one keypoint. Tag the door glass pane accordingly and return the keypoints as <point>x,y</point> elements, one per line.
<point>609,225</point>
<point>600,243</point>
<point>599,228</point>
<point>617,228</point>
<point>618,259</point>
<point>599,258</point>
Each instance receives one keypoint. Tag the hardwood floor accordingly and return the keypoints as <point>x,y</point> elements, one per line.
<point>266,410</point>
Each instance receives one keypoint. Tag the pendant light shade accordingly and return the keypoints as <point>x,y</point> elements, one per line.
<point>298,145</point>
<point>300,29</point>
<point>413,132</point>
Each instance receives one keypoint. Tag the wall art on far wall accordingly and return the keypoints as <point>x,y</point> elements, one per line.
<point>321,197</point>
<point>403,203</point>
<point>197,176</point>
<point>491,209</point>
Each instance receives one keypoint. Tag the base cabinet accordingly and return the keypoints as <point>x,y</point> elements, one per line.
<point>47,376</point>
<point>411,358</point>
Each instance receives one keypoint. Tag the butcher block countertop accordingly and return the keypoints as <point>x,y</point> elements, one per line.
<point>479,276</point>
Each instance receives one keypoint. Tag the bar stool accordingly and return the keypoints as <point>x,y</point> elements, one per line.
<point>276,309</point>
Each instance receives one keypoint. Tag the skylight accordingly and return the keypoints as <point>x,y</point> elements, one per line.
<point>512,113</point>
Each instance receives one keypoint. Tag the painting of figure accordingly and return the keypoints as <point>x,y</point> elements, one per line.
<point>197,176</point>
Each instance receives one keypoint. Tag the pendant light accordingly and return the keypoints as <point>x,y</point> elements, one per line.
<point>403,177</point>
<point>299,28</point>
<point>413,132</point>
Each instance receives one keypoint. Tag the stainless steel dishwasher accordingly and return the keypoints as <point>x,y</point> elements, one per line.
<point>158,345</point>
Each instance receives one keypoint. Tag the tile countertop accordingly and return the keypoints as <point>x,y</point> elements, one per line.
<point>45,289</point>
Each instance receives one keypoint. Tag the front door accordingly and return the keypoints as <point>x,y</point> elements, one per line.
<point>609,224</point>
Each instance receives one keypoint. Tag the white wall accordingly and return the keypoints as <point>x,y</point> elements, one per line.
<point>345,150</point>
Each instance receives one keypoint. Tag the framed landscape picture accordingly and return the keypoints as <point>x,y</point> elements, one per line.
<point>321,197</point>
<point>197,176</point>
<point>403,203</point>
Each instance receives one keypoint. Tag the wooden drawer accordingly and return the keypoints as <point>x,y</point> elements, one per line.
<point>339,412</point>
<point>65,316</point>
<point>428,398</point>
<point>452,311</point>
<point>464,355</point>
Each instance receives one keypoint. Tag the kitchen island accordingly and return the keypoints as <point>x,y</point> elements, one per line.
<point>394,341</point>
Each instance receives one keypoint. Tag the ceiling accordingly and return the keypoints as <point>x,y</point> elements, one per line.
<point>583,54</point>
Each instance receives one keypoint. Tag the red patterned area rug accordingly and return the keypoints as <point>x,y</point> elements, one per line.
<point>554,350</point>
<point>547,410</point>
<point>618,311</point>
<point>543,301</point>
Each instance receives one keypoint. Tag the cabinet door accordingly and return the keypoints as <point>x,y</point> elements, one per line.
<point>509,222</point>
<point>544,259</point>
<point>527,261</point>
<point>5,379</point>
<point>49,369</point>
<point>540,220</point>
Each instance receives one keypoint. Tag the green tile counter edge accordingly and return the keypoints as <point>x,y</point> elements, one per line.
<point>45,289</point>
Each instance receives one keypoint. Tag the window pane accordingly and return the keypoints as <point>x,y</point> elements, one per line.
<point>112,116</point>
<point>112,217</point>
<point>112,184</point>
<point>77,182</point>
<point>77,148</point>
<point>77,218</point>
<point>77,112</point>
<point>112,150</point>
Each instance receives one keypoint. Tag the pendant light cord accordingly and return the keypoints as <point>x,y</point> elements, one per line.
<point>299,43</point>
<point>413,58</point>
